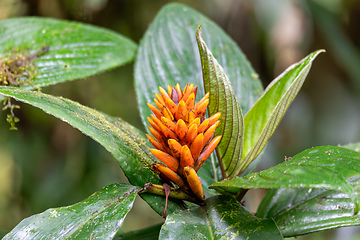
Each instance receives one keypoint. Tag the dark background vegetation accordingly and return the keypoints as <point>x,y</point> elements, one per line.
<point>47,163</point>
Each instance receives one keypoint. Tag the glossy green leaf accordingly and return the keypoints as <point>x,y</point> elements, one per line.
<point>302,211</point>
<point>168,53</point>
<point>127,144</point>
<point>223,99</point>
<point>76,50</point>
<point>261,121</point>
<point>221,218</point>
<point>97,217</point>
<point>326,167</point>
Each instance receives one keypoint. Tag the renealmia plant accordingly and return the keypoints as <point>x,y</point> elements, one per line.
<point>315,190</point>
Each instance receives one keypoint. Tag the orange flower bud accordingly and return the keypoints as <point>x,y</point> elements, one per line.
<point>194,182</point>
<point>181,111</point>
<point>171,175</point>
<point>166,158</point>
<point>186,158</point>
<point>197,146</point>
<point>203,126</point>
<point>183,138</point>
<point>172,106</point>
<point>181,129</point>
<point>210,132</point>
<point>155,110</point>
<point>206,152</point>
<point>175,147</point>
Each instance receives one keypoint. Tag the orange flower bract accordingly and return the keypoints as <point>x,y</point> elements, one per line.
<point>182,137</point>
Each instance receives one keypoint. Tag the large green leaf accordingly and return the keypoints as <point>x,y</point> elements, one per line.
<point>99,216</point>
<point>302,211</point>
<point>168,53</point>
<point>76,50</point>
<point>325,167</point>
<point>221,218</point>
<point>261,121</point>
<point>223,99</point>
<point>127,144</point>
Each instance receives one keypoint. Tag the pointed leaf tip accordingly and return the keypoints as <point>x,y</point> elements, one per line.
<point>222,99</point>
<point>262,120</point>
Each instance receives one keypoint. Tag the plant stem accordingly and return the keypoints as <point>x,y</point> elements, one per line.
<point>174,193</point>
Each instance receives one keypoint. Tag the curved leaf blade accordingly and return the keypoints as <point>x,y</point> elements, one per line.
<point>168,53</point>
<point>127,144</point>
<point>325,167</point>
<point>76,50</point>
<point>261,121</point>
<point>99,216</point>
<point>223,99</point>
<point>303,211</point>
<point>221,217</point>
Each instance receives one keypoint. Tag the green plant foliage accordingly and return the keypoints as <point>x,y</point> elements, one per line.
<point>149,233</point>
<point>325,167</point>
<point>76,50</point>
<point>223,99</point>
<point>168,54</point>
<point>221,218</point>
<point>99,216</point>
<point>315,190</point>
<point>261,121</point>
<point>127,144</point>
<point>303,210</point>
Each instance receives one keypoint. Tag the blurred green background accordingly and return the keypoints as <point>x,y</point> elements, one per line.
<point>47,163</point>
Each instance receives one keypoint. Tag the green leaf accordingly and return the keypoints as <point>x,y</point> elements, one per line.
<point>149,233</point>
<point>221,218</point>
<point>223,99</point>
<point>302,211</point>
<point>76,50</point>
<point>168,54</point>
<point>99,216</point>
<point>127,144</point>
<point>261,121</point>
<point>325,167</point>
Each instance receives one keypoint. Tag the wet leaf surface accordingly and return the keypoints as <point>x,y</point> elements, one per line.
<point>97,217</point>
<point>127,144</point>
<point>325,167</point>
<point>168,54</point>
<point>302,211</point>
<point>221,218</point>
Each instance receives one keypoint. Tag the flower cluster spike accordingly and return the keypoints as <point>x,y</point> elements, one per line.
<point>182,137</point>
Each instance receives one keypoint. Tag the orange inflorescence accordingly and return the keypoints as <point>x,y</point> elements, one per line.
<point>182,137</point>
